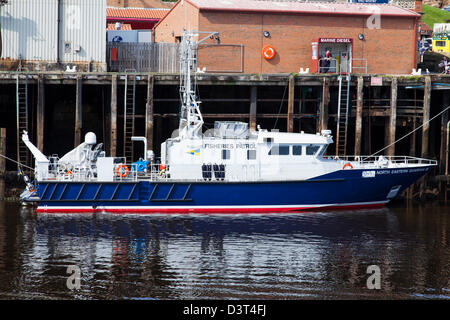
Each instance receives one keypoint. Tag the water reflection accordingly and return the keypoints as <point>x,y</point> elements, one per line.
<point>310,255</point>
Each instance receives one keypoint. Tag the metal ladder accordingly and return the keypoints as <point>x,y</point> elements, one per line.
<point>129,115</point>
<point>342,116</point>
<point>23,155</point>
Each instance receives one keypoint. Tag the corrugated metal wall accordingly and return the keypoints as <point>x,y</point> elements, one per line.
<point>83,30</point>
<point>29,30</point>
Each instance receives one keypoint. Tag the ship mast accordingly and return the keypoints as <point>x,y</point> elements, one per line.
<point>191,120</point>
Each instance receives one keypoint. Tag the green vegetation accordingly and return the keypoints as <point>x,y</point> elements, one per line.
<point>434,15</point>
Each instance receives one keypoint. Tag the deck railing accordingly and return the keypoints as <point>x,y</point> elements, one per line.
<point>156,172</point>
<point>357,65</point>
<point>384,161</point>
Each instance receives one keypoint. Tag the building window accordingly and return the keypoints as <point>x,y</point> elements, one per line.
<point>225,154</point>
<point>279,150</point>
<point>440,43</point>
<point>297,150</point>
<point>251,154</point>
<point>311,150</point>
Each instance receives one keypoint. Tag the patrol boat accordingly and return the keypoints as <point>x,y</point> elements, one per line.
<point>228,169</point>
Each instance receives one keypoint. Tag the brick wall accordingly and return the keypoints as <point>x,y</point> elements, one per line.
<point>390,49</point>
<point>184,15</point>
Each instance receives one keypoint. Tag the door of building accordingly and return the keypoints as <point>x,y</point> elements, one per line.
<point>341,52</point>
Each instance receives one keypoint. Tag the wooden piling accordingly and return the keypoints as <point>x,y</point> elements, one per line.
<point>2,162</point>
<point>359,112</point>
<point>149,113</point>
<point>392,118</point>
<point>78,111</point>
<point>290,113</point>
<point>426,116</point>
<point>253,107</point>
<point>40,113</point>
<point>323,123</point>
<point>113,134</point>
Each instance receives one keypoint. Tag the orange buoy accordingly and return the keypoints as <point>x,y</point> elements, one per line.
<point>268,52</point>
<point>347,165</point>
<point>122,171</point>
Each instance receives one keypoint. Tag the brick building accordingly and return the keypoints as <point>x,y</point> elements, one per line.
<point>361,37</point>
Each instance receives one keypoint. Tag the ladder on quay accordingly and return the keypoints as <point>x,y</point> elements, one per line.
<point>342,115</point>
<point>22,118</point>
<point>129,116</point>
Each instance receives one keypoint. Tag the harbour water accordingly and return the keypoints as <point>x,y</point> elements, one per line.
<point>320,255</point>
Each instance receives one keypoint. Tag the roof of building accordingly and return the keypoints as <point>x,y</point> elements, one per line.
<point>302,7</point>
<point>140,4</point>
<point>136,13</point>
<point>124,26</point>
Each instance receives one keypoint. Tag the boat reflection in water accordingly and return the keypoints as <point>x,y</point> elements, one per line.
<point>320,255</point>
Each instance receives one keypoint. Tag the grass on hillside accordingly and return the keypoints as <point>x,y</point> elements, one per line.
<point>434,15</point>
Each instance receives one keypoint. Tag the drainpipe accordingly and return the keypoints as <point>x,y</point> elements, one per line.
<point>446,150</point>
<point>1,42</point>
<point>58,33</point>
<point>2,3</point>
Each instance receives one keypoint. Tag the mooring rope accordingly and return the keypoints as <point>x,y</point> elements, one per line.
<point>20,164</point>
<point>408,133</point>
<point>281,105</point>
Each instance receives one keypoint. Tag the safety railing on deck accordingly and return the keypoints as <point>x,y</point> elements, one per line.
<point>331,68</point>
<point>123,172</point>
<point>383,161</point>
<point>359,65</point>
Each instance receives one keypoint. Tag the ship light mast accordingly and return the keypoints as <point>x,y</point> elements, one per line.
<point>191,120</point>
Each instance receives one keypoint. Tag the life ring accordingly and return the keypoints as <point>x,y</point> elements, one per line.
<point>347,165</point>
<point>121,173</point>
<point>162,169</point>
<point>268,52</point>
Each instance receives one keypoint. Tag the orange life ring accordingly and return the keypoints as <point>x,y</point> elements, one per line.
<point>121,173</point>
<point>268,52</point>
<point>347,165</point>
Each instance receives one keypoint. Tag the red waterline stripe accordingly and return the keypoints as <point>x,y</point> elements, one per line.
<point>207,210</point>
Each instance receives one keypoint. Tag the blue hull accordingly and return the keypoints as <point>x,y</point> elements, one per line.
<point>345,188</point>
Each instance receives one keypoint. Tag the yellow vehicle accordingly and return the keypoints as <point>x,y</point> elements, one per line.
<point>441,42</point>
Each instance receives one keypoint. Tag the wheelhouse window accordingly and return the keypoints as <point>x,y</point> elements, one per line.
<point>279,150</point>
<point>440,43</point>
<point>251,154</point>
<point>311,149</point>
<point>226,154</point>
<point>297,150</point>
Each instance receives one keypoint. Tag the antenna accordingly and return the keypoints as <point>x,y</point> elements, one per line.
<point>191,120</point>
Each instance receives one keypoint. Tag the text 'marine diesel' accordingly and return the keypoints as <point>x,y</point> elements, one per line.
<point>229,169</point>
